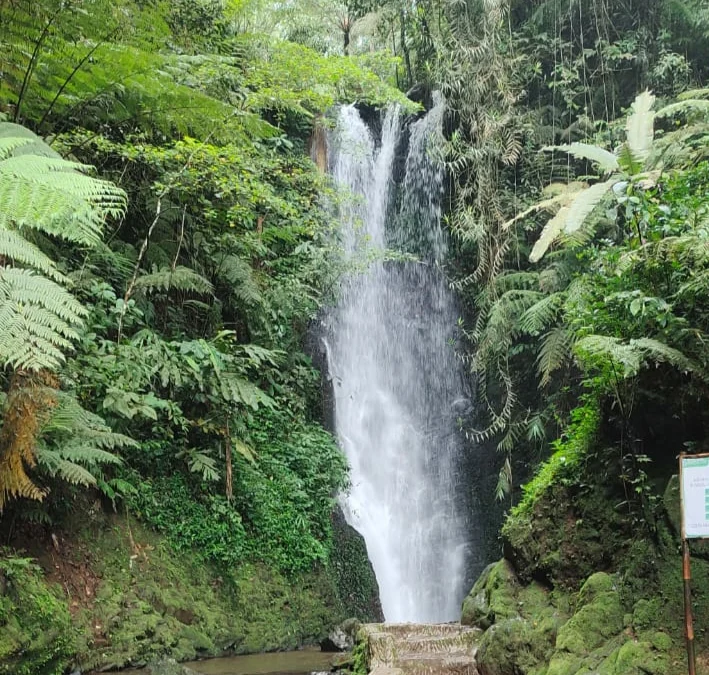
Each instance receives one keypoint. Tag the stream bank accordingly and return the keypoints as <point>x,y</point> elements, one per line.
<point>109,593</point>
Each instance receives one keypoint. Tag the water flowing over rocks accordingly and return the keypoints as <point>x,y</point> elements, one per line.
<point>390,347</point>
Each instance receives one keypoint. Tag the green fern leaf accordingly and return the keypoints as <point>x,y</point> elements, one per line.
<point>181,279</point>
<point>625,356</point>
<point>694,94</point>
<point>15,247</point>
<point>542,314</point>
<point>37,320</point>
<point>239,390</point>
<point>660,352</point>
<point>692,109</point>
<point>554,353</point>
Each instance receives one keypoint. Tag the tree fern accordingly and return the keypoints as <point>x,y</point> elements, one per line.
<point>570,218</point>
<point>631,356</point>
<point>39,190</point>
<point>75,444</point>
<point>38,320</point>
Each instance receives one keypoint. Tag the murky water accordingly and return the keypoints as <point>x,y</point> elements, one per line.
<point>280,663</point>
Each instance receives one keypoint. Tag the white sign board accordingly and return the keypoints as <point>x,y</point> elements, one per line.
<point>695,496</point>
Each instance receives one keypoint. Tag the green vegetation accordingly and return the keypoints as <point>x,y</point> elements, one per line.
<point>165,244</point>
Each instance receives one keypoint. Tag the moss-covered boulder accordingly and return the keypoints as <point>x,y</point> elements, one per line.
<point>353,574</point>
<point>565,536</point>
<point>598,618</point>
<point>520,621</point>
<point>513,646</point>
<point>493,597</point>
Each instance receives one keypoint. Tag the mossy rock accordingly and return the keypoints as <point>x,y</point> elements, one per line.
<point>636,658</point>
<point>353,574</point>
<point>514,646</point>
<point>598,617</point>
<point>36,632</point>
<point>493,597</point>
<point>521,621</point>
<point>566,536</point>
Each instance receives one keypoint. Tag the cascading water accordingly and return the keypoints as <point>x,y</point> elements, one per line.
<point>397,382</point>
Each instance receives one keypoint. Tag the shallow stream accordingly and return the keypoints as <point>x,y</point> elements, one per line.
<point>280,663</point>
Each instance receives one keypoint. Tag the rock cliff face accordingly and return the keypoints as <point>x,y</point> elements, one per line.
<point>579,592</point>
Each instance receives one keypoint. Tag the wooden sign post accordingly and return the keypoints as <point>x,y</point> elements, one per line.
<point>694,506</point>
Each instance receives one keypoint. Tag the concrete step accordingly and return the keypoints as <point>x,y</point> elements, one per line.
<point>429,664</point>
<point>421,649</point>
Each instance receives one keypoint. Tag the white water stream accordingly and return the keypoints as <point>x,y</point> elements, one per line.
<point>397,382</point>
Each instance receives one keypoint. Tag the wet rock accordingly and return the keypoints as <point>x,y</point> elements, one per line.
<point>342,638</point>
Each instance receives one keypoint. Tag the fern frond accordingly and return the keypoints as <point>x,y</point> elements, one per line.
<point>181,279</point>
<point>691,108</point>
<point>611,349</point>
<point>236,389</point>
<point>542,314</point>
<point>58,467</point>
<point>15,247</point>
<point>694,94</point>
<point>37,320</point>
<point>606,160</point>
<point>546,204</point>
<point>660,352</point>
<point>555,352</point>
<point>240,277</point>
<point>639,127</point>
<point>40,190</point>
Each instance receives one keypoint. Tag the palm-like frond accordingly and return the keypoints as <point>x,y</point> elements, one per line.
<point>570,218</point>
<point>640,126</point>
<point>606,160</point>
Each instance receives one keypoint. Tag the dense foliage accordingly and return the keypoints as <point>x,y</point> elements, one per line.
<point>164,249</point>
<point>593,306</point>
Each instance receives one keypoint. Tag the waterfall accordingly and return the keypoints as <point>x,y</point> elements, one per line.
<point>397,382</point>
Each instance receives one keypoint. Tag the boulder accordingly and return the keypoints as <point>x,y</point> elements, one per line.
<point>342,638</point>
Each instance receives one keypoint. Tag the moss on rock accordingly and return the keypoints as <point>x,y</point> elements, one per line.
<point>565,536</point>
<point>36,633</point>
<point>354,578</point>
